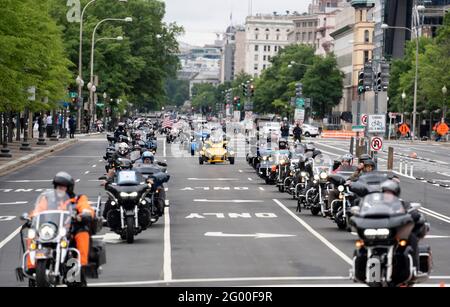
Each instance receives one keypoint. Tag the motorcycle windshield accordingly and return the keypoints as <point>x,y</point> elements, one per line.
<point>322,163</point>
<point>52,213</point>
<point>128,178</point>
<point>381,204</point>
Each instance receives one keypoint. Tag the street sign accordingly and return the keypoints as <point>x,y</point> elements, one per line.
<point>377,123</point>
<point>299,115</point>
<point>404,129</point>
<point>442,129</point>
<point>358,128</point>
<point>376,143</point>
<point>364,120</point>
<point>300,103</point>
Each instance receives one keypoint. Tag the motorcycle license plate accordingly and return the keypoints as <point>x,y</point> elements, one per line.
<point>42,254</point>
<point>129,213</point>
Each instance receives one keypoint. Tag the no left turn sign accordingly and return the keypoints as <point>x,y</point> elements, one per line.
<point>364,118</point>
<point>376,143</point>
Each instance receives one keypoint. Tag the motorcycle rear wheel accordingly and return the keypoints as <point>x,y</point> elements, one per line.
<point>315,211</point>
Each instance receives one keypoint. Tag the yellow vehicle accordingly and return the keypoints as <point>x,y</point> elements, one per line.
<point>216,152</point>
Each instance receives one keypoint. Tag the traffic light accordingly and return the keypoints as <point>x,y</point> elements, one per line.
<point>361,88</point>
<point>385,76</point>
<point>368,76</point>
<point>378,82</point>
<point>252,90</point>
<point>245,90</point>
<point>298,90</point>
<point>237,102</point>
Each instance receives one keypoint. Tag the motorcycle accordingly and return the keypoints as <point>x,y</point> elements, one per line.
<point>129,213</point>
<point>50,249</point>
<point>383,255</point>
<point>317,195</point>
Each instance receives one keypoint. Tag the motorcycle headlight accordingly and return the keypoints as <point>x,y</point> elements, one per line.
<point>303,174</point>
<point>31,234</point>
<point>382,233</point>
<point>341,188</point>
<point>128,195</point>
<point>323,175</point>
<point>316,177</point>
<point>264,158</point>
<point>47,232</point>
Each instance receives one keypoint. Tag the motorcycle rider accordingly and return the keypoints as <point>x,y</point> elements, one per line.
<point>391,190</point>
<point>64,184</point>
<point>365,165</point>
<point>346,164</point>
<point>120,131</point>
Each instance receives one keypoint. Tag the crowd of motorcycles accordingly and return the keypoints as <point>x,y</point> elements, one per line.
<point>358,199</point>
<point>136,199</point>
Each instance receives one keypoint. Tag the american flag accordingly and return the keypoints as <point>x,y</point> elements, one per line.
<point>167,123</point>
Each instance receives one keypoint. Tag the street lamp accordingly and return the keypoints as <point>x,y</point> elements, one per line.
<point>79,79</point>
<point>91,97</point>
<point>444,106</point>
<point>416,10</point>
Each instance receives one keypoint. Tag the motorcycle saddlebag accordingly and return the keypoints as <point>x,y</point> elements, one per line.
<point>359,265</point>
<point>97,252</point>
<point>425,259</point>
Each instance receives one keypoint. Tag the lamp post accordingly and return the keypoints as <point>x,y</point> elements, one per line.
<point>416,10</point>
<point>444,104</point>
<point>92,86</point>
<point>79,79</point>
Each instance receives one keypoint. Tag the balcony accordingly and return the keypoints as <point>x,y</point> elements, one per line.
<point>362,3</point>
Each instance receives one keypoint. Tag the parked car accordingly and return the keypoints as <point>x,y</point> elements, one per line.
<point>309,130</point>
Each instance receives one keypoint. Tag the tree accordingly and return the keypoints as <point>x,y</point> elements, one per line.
<point>204,95</point>
<point>323,82</point>
<point>177,91</point>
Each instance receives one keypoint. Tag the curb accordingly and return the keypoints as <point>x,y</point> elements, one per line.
<point>34,157</point>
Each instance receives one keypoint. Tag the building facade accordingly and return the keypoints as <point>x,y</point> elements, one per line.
<point>305,30</point>
<point>240,51</point>
<point>266,35</point>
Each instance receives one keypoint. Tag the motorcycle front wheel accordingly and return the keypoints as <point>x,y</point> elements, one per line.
<point>130,230</point>
<point>41,274</point>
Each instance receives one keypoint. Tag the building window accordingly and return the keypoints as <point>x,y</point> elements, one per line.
<point>256,47</point>
<point>367,36</point>
<point>264,66</point>
<point>309,36</point>
<point>278,37</point>
<point>264,58</point>
<point>267,30</point>
<point>256,29</point>
<point>366,56</point>
<point>256,36</point>
<point>269,58</point>
<point>275,48</point>
<point>256,66</point>
<point>268,48</point>
<point>303,36</point>
<point>267,36</point>
<point>265,48</point>
<point>256,57</point>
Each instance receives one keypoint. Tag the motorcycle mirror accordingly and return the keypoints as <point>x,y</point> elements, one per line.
<point>355,210</point>
<point>25,217</point>
<point>102,178</point>
<point>414,207</point>
<point>162,164</point>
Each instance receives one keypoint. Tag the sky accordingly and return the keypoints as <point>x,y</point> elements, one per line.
<point>201,19</point>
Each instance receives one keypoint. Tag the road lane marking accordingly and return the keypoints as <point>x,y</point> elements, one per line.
<point>241,171</point>
<point>164,148</point>
<point>255,235</point>
<point>78,180</point>
<point>7,218</point>
<point>111,238</point>
<point>14,203</point>
<point>235,201</point>
<point>167,266</point>
<point>10,237</point>
<point>435,215</point>
<point>208,280</point>
<point>86,172</point>
<point>26,181</point>
<point>212,179</point>
<point>316,234</point>
<point>261,188</point>
<point>95,165</point>
<point>250,179</point>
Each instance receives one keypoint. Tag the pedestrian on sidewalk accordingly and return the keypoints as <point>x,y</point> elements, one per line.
<point>298,133</point>
<point>72,127</point>
<point>49,122</point>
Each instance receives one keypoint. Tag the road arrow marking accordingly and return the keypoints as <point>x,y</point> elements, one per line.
<point>255,236</point>
<point>27,181</point>
<point>111,238</point>
<point>14,203</point>
<point>211,179</point>
<point>236,201</point>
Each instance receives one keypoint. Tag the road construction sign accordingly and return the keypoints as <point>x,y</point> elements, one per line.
<point>404,129</point>
<point>442,129</point>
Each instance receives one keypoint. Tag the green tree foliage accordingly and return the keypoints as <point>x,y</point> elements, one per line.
<point>204,95</point>
<point>31,54</point>
<point>323,82</point>
<point>177,91</point>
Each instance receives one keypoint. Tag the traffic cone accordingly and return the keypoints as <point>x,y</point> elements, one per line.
<point>442,285</point>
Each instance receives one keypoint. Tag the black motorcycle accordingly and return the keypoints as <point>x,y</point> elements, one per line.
<point>129,212</point>
<point>383,255</point>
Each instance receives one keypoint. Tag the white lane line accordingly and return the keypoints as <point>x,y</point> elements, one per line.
<point>261,188</point>
<point>26,181</point>
<point>212,179</point>
<point>78,180</point>
<point>86,172</point>
<point>166,189</point>
<point>100,160</point>
<point>208,280</point>
<point>167,203</point>
<point>164,148</point>
<point>95,165</point>
<point>10,237</point>
<point>250,179</point>
<point>435,214</point>
<point>241,171</point>
<point>167,266</point>
<point>315,233</point>
<point>235,201</point>
<point>14,203</point>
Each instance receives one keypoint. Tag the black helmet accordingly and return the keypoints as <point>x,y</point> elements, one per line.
<point>392,187</point>
<point>65,180</point>
<point>370,163</point>
<point>124,164</point>
<point>364,157</point>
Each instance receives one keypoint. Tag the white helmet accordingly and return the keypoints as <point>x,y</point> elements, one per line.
<point>123,148</point>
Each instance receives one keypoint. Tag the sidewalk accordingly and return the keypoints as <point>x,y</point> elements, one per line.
<point>23,158</point>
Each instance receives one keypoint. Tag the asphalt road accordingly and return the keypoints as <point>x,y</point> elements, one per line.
<point>224,226</point>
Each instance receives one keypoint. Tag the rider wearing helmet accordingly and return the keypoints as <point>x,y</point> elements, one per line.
<point>123,151</point>
<point>365,165</point>
<point>346,164</point>
<point>120,131</point>
<point>148,158</point>
<point>64,184</point>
